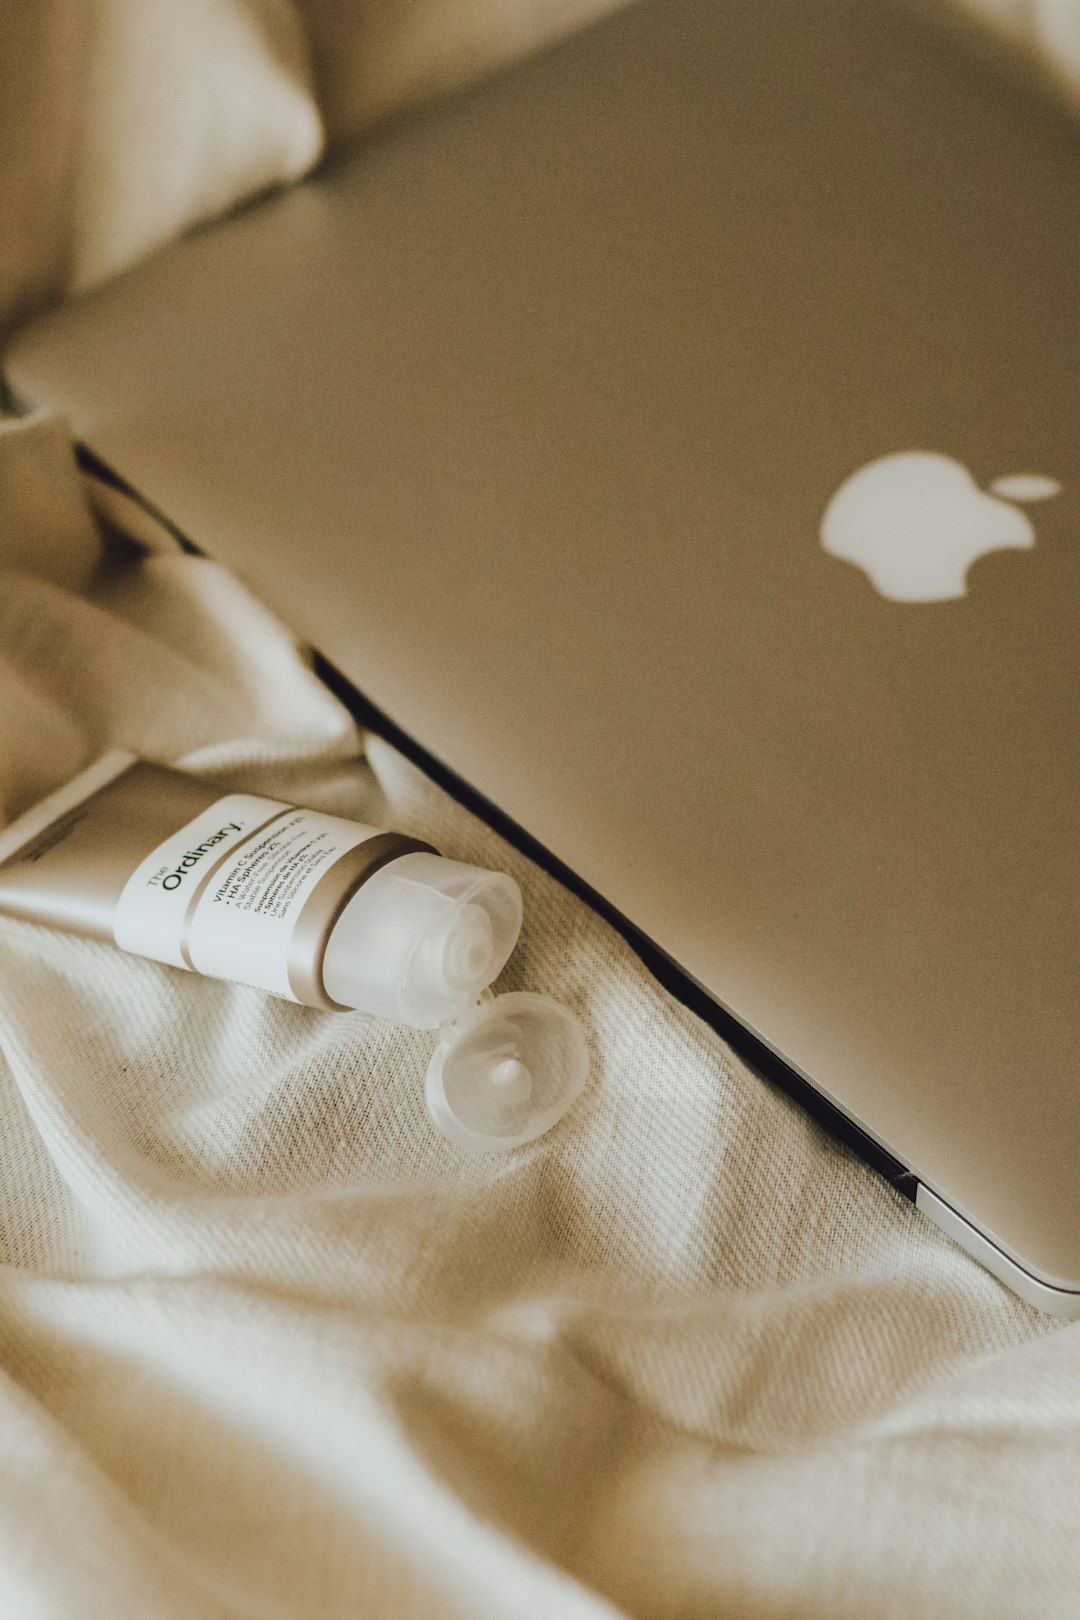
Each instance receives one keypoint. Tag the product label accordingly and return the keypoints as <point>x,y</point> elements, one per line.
<point>223,894</point>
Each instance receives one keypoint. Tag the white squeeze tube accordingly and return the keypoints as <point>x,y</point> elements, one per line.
<point>311,907</point>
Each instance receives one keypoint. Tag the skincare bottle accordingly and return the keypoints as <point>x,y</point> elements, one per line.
<point>313,908</point>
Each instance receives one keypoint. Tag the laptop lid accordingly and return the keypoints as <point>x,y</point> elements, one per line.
<point>632,431</point>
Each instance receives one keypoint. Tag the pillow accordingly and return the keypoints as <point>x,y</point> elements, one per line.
<point>124,121</point>
<point>1038,39</point>
<point>375,56</point>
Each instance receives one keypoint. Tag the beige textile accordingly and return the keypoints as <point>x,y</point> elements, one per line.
<point>1041,36</point>
<point>373,57</point>
<point>123,122</point>
<point>270,1349</point>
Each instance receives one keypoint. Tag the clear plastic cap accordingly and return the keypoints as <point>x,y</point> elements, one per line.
<point>420,942</point>
<point>505,1071</point>
<point>421,938</point>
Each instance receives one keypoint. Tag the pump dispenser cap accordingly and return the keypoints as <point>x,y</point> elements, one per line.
<point>505,1071</point>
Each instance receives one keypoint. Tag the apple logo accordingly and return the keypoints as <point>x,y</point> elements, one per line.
<point>916,521</point>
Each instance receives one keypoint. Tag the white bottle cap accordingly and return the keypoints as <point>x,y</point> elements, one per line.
<point>505,1071</point>
<point>421,938</point>
<point>419,942</point>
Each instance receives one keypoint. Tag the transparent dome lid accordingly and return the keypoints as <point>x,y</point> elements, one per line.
<point>421,939</point>
<point>419,943</point>
<point>505,1070</point>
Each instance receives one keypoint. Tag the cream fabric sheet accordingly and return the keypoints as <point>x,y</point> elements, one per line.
<point>270,1349</point>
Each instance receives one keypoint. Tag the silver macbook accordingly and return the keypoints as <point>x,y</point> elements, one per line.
<point>678,439</point>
